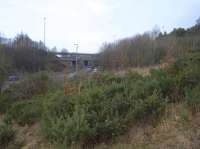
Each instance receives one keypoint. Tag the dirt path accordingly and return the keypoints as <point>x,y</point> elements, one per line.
<point>30,137</point>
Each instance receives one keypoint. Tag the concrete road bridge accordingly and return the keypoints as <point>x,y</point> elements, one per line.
<point>84,60</point>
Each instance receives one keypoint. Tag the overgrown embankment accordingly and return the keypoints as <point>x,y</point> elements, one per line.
<point>107,107</point>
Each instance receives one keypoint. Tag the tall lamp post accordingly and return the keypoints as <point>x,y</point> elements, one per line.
<point>44,32</point>
<point>76,57</point>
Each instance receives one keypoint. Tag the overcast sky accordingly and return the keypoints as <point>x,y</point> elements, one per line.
<point>93,22</point>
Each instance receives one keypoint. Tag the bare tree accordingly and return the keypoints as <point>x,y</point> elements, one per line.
<point>54,49</point>
<point>64,50</point>
<point>198,22</point>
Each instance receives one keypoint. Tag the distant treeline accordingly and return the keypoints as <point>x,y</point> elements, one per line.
<point>149,48</point>
<point>22,54</point>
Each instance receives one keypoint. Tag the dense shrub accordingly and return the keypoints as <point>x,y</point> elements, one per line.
<point>151,108</point>
<point>2,78</point>
<point>189,77</point>
<point>165,83</point>
<point>101,111</point>
<point>24,112</point>
<point>7,135</point>
<point>36,84</point>
<point>192,98</point>
<point>106,78</point>
<point>32,86</point>
<point>23,101</point>
<point>107,104</point>
<point>5,103</point>
<point>187,70</point>
<point>133,76</point>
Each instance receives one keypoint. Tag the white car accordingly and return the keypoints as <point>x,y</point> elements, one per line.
<point>95,70</point>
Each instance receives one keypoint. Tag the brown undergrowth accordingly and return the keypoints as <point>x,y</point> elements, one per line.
<point>179,129</point>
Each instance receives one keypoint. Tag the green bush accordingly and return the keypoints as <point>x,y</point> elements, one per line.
<point>186,70</point>
<point>5,103</point>
<point>192,98</point>
<point>164,82</point>
<point>24,112</point>
<point>187,60</point>
<point>3,74</point>
<point>152,107</point>
<point>7,135</point>
<point>36,84</point>
<point>67,129</point>
<point>189,77</point>
<point>100,112</point>
<point>27,89</point>
<point>133,76</point>
<point>106,78</point>
<point>107,105</point>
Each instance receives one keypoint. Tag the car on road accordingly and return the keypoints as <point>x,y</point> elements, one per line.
<point>13,78</point>
<point>95,70</point>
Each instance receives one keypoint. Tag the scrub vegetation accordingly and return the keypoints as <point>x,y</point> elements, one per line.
<point>109,106</point>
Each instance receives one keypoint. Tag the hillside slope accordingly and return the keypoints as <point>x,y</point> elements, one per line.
<point>158,110</point>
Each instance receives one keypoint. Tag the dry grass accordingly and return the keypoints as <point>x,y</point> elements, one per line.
<point>177,130</point>
<point>30,137</point>
<point>144,71</point>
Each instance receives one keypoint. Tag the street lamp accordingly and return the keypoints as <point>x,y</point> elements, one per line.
<point>76,57</point>
<point>44,32</point>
